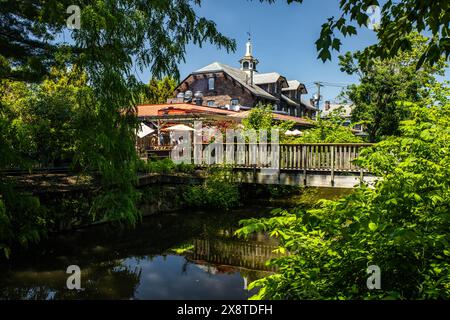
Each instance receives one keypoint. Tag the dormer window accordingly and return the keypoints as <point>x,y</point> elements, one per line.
<point>211,83</point>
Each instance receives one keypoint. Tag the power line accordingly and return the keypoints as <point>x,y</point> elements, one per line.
<point>325,82</point>
<point>336,84</point>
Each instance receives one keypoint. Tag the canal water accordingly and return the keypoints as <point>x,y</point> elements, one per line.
<point>180,255</point>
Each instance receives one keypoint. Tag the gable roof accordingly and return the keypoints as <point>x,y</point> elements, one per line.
<point>263,78</point>
<point>295,85</point>
<point>238,75</point>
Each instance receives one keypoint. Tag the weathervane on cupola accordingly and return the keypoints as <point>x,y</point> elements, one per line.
<point>248,62</point>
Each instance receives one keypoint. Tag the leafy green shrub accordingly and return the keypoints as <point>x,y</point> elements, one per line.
<point>218,191</point>
<point>165,165</point>
<point>401,225</point>
<point>22,219</point>
<point>277,191</point>
<point>141,165</point>
<point>185,168</point>
<point>331,130</point>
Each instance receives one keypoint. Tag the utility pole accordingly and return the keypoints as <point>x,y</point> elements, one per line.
<point>319,85</point>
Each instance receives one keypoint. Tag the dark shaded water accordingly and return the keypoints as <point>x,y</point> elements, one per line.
<point>184,255</point>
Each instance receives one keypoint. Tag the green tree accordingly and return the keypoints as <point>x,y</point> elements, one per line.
<point>47,115</point>
<point>325,130</point>
<point>400,225</point>
<point>158,91</point>
<point>383,83</point>
<point>41,126</point>
<point>397,20</point>
<point>154,33</point>
<point>329,130</point>
<point>261,118</point>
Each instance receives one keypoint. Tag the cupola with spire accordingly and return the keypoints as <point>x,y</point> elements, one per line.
<point>248,62</point>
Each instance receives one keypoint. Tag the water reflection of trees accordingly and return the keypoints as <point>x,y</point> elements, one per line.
<point>106,280</point>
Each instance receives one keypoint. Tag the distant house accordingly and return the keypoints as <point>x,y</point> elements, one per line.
<point>218,85</point>
<point>345,112</point>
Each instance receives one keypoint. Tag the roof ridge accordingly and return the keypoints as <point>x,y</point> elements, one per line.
<point>238,75</point>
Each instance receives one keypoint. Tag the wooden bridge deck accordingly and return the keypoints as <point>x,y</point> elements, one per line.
<point>324,164</point>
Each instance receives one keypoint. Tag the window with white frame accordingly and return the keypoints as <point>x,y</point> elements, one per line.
<point>234,102</point>
<point>210,103</point>
<point>211,83</point>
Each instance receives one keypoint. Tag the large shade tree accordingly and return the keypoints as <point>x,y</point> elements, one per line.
<point>158,90</point>
<point>114,38</point>
<point>397,19</point>
<point>384,83</point>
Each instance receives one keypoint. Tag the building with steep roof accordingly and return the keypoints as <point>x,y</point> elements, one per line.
<point>218,85</point>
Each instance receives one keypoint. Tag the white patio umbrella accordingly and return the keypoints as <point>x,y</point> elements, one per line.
<point>144,130</point>
<point>297,132</point>
<point>293,133</point>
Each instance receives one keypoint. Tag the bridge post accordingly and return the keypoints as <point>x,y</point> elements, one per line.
<point>361,177</point>
<point>332,165</point>
<point>304,162</point>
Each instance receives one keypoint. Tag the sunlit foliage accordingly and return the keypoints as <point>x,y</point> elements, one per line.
<point>401,225</point>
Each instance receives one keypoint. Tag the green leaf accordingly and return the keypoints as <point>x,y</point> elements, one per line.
<point>373,226</point>
<point>336,44</point>
<point>325,55</point>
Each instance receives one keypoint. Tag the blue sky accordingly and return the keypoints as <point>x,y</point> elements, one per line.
<point>283,38</point>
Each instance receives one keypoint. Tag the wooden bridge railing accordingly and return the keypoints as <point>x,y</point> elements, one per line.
<point>320,157</point>
<point>332,157</point>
